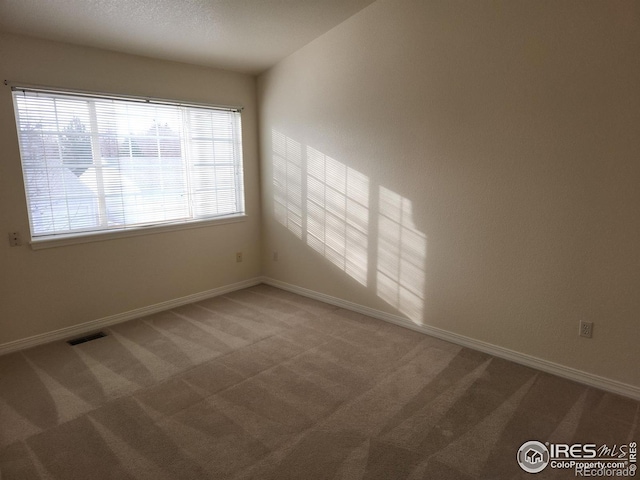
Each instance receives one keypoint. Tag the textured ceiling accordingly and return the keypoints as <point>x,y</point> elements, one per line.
<point>242,35</point>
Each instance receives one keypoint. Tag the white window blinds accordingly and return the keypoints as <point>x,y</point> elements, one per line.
<point>94,163</point>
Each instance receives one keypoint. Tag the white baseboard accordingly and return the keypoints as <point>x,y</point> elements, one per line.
<point>93,325</point>
<point>580,376</point>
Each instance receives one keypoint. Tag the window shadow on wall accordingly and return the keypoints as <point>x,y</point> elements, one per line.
<point>337,211</point>
<point>402,253</point>
<point>287,182</point>
<point>365,230</point>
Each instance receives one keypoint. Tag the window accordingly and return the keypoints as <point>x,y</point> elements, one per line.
<point>96,163</point>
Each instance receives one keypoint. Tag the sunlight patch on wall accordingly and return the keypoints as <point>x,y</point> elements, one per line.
<point>402,251</point>
<point>287,182</point>
<point>338,213</point>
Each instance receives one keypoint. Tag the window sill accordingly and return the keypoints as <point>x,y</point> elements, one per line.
<point>64,240</point>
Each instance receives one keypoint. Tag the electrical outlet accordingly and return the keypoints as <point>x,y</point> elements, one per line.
<point>238,257</point>
<point>275,256</point>
<point>14,239</point>
<point>586,329</point>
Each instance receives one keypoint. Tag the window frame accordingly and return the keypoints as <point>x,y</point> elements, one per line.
<point>61,239</point>
<point>104,235</point>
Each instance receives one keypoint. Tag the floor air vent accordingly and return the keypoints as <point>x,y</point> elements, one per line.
<point>86,338</point>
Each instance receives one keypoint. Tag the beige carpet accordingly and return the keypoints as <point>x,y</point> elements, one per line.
<point>265,384</point>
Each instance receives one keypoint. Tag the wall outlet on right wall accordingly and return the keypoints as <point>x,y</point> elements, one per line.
<point>586,329</point>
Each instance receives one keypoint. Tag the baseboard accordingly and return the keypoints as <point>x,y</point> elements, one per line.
<point>93,325</point>
<point>580,376</point>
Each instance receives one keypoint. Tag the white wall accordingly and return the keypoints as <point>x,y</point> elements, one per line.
<point>471,165</point>
<point>45,290</point>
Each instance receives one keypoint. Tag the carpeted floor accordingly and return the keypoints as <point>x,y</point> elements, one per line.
<point>265,384</point>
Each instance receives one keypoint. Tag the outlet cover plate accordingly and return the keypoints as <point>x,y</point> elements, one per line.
<point>586,329</point>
